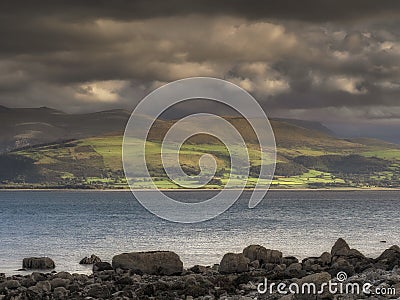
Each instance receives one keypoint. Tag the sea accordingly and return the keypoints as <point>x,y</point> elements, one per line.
<point>69,225</point>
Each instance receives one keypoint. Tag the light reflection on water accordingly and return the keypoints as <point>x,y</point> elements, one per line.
<point>68,225</point>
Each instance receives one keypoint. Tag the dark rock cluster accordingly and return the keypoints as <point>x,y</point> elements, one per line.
<point>160,275</point>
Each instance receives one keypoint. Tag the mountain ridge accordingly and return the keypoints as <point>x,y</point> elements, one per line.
<point>24,127</point>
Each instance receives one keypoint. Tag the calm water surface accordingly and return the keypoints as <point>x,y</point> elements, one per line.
<point>68,225</point>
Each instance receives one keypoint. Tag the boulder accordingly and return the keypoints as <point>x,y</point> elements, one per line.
<point>44,286</point>
<point>154,262</point>
<point>90,260</point>
<point>263,255</point>
<point>341,265</point>
<point>233,263</point>
<point>36,276</point>
<point>288,260</point>
<point>64,275</point>
<point>317,278</point>
<point>10,284</point>
<point>325,258</point>
<point>389,258</point>
<point>102,266</point>
<point>395,248</point>
<point>59,282</point>
<point>60,293</point>
<point>98,291</point>
<point>255,264</point>
<point>340,248</point>
<point>295,270</point>
<point>199,269</point>
<point>39,263</point>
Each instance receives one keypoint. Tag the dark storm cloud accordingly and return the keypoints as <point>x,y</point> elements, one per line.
<point>305,10</point>
<point>321,60</point>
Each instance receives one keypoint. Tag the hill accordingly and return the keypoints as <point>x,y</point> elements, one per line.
<point>308,156</point>
<point>24,127</point>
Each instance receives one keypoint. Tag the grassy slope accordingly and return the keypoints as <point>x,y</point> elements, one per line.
<point>97,161</point>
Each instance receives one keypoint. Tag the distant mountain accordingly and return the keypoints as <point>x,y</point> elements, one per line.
<point>307,124</point>
<point>89,156</point>
<point>22,127</point>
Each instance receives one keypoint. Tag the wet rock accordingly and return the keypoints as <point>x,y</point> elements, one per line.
<point>60,293</point>
<point>325,258</point>
<point>199,269</point>
<point>256,252</point>
<point>263,255</point>
<point>59,282</point>
<point>27,282</point>
<point>36,276</point>
<point>389,258</point>
<point>155,262</point>
<point>102,266</point>
<point>38,263</point>
<point>255,264</point>
<point>295,270</point>
<point>317,278</point>
<point>64,275</point>
<point>90,260</point>
<point>395,248</point>
<point>125,281</point>
<point>288,260</point>
<point>280,268</point>
<point>233,263</point>
<point>44,286</point>
<point>340,248</point>
<point>341,265</point>
<point>97,290</point>
<point>10,284</point>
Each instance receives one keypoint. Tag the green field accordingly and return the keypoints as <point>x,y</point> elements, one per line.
<point>305,159</point>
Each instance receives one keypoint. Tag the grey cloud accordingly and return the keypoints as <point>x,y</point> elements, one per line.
<point>307,59</point>
<point>305,10</point>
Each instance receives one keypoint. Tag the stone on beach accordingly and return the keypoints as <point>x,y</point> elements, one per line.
<point>389,258</point>
<point>234,263</point>
<point>262,254</point>
<point>237,277</point>
<point>102,266</point>
<point>39,263</point>
<point>90,260</point>
<point>153,262</point>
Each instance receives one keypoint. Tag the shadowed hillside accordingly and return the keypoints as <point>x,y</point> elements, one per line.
<point>307,157</point>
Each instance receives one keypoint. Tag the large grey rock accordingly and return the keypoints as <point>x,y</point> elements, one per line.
<point>325,258</point>
<point>102,266</point>
<point>263,255</point>
<point>60,293</point>
<point>44,286</point>
<point>389,258</point>
<point>10,284</point>
<point>154,262</point>
<point>234,263</point>
<point>340,247</point>
<point>59,282</point>
<point>39,263</point>
<point>317,278</point>
<point>341,265</point>
<point>295,270</point>
<point>98,291</point>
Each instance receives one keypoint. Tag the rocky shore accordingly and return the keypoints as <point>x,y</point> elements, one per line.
<point>247,275</point>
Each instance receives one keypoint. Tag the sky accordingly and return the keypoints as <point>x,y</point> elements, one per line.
<point>333,61</point>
